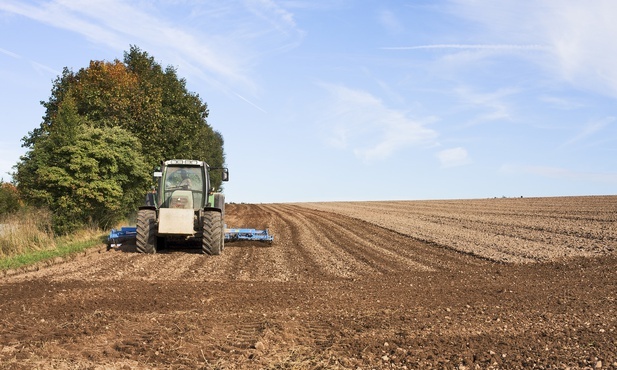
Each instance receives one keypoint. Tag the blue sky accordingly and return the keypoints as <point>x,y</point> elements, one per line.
<point>355,100</point>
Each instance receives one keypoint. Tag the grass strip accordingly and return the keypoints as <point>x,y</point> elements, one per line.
<point>63,250</point>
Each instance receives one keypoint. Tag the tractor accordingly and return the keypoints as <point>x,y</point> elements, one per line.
<point>185,208</point>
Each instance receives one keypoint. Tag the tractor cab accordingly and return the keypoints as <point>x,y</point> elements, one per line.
<point>183,185</point>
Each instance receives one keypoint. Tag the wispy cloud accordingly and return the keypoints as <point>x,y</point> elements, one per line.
<point>589,129</point>
<point>115,23</point>
<point>561,103</point>
<point>577,36</point>
<point>491,106</point>
<point>390,22</point>
<point>361,122</point>
<point>215,55</point>
<point>453,157</point>
<point>282,20</point>
<point>40,68</point>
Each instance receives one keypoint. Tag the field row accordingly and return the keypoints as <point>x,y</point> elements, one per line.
<point>506,229</point>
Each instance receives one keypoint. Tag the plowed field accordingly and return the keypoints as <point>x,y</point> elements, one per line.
<point>495,283</point>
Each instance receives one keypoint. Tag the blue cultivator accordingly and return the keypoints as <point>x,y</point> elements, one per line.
<point>248,234</point>
<point>117,237</point>
<point>129,233</point>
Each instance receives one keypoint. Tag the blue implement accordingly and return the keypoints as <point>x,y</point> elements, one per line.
<point>248,234</point>
<point>126,233</point>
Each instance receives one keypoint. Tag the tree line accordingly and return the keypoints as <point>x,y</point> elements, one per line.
<point>104,130</point>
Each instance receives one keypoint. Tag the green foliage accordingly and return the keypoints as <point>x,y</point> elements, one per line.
<point>9,198</point>
<point>105,128</point>
<point>140,96</point>
<point>171,122</point>
<point>84,174</point>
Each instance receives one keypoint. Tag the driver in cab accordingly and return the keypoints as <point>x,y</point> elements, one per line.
<point>186,182</point>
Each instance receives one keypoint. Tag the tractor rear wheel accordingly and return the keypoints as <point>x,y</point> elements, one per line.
<point>146,231</point>
<point>212,239</point>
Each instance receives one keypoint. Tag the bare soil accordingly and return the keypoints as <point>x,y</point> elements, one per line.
<point>499,283</point>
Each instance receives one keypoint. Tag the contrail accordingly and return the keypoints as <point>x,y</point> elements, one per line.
<point>9,53</point>
<point>249,102</point>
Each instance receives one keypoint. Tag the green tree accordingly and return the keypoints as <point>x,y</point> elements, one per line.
<point>134,109</point>
<point>86,176</point>
<point>171,122</point>
<point>140,96</point>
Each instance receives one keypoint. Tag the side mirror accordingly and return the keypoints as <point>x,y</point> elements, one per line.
<point>225,176</point>
<point>157,172</point>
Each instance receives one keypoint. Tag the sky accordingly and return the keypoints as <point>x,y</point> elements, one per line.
<point>354,100</point>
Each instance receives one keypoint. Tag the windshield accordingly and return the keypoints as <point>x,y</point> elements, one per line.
<point>183,181</point>
<point>186,178</point>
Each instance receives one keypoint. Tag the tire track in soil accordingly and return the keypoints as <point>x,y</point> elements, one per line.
<point>374,249</point>
<point>370,247</point>
<point>454,237</point>
<point>334,261</point>
<point>326,260</point>
<point>390,250</point>
<point>354,249</point>
<point>241,334</point>
<point>218,268</point>
<point>241,269</point>
<point>173,265</point>
<point>298,262</point>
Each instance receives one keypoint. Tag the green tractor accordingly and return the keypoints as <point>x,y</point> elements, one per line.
<point>184,208</point>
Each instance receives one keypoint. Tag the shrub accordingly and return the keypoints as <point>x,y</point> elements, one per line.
<point>9,198</point>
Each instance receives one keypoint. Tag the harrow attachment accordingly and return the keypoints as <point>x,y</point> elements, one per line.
<point>129,233</point>
<point>117,237</point>
<point>248,234</point>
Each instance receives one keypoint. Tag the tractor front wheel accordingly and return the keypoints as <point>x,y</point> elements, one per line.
<point>212,239</point>
<point>146,231</point>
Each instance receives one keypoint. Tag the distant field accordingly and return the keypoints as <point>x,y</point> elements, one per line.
<point>501,229</point>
